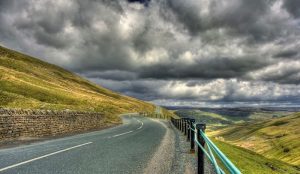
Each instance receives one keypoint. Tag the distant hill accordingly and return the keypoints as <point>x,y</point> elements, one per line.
<point>276,138</point>
<point>27,82</point>
<point>205,117</point>
<point>224,116</point>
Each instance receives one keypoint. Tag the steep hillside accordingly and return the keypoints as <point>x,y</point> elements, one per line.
<point>26,82</point>
<point>250,162</point>
<point>276,138</point>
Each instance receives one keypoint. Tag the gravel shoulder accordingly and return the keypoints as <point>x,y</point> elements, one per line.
<point>173,155</point>
<point>162,160</point>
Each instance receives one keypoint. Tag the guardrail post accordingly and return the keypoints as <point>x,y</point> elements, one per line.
<point>188,138</point>
<point>182,125</point>
<point>200,153</point>
<point>192,121</point>
<point>189,131</point>
<point>185,125</point>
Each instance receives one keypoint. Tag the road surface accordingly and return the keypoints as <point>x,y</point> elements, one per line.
<point>127,148</point>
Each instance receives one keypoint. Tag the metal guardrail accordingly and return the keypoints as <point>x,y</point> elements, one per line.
<point>205,147</point>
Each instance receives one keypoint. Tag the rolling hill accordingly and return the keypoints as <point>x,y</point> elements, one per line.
<point>216,117</point>
<point>206,117</point>
<point>256,140</point>
<point>276,138</point>
<point>250,162</point>
<point>29,83</point>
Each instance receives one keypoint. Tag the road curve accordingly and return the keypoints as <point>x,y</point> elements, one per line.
<point>127,148</point>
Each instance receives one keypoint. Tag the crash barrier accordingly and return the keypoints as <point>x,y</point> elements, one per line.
<point>195,133</point>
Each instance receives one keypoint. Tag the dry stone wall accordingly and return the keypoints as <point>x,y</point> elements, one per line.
<point>18,123</point>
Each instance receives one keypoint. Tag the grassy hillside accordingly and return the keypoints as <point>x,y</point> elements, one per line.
<point>276,138</point>
<point>252,163</point>
<point>26,82</point>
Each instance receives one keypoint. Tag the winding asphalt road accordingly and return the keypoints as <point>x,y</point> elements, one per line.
<point>127,148</point>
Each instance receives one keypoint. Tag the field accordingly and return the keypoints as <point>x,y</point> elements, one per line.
<point>275,139</point>
<point>250,162</point>
<point>256,140</point>
<point>26,82</point>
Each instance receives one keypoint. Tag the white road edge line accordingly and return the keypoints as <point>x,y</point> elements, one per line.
<point>44,156</point>
<point>142,124</point>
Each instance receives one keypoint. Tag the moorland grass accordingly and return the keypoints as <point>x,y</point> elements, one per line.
<point>27,82</point>
<point>250,162</point>
<point>276,138</point>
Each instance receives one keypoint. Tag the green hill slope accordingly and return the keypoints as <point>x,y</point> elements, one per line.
<point>250,162</point>
<point>26,82</point>
<point>276,138</point>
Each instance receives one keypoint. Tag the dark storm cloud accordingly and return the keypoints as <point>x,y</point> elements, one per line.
<point>204,50</point>
<point>291,76</point>
<point>287,72</point>
<point>145,89</point>
<point>220,67</point>
<point>84,14</point>
<point>287,54</point>
<point>293,7</point>
<point>146,2</point>
<point>241,17</point>
<point>5,3</point>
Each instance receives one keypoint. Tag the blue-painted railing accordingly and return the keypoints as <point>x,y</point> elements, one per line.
<point>205,147</point>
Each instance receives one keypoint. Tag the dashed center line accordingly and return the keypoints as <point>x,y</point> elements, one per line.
<point>44,156</point>
<point>67,149</point>
<point>142,124</point>
<point>121,134</point>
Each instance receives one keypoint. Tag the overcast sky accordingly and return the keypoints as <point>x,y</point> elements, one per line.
<point>171,52</point>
